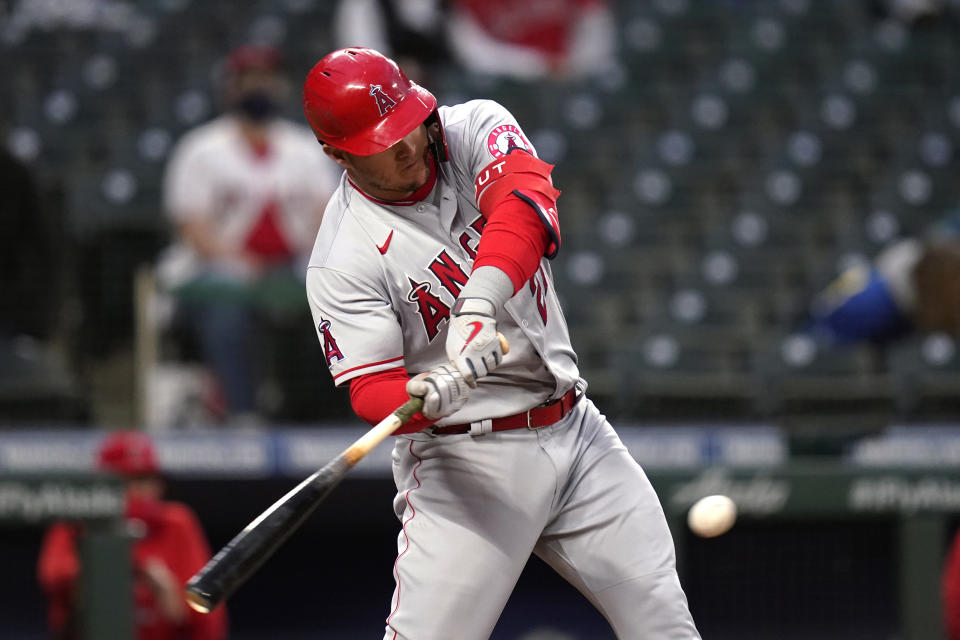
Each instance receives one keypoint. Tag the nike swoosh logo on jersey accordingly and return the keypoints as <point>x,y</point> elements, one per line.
<point>477,328</point>
<point>386,244</point>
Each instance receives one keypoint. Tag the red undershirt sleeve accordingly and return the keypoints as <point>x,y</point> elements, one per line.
<point>374,396</point>
<point>513,240</point>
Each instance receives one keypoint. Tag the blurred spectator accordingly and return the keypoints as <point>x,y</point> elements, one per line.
<point>27,256</point>
<point>557,39</point>
<point>414,33</point>
<point>869,302</point>
<point>913,285</point>
<point>170,548</point>
<point>246,192</point>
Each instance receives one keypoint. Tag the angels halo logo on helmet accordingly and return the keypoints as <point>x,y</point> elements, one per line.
<point>384,102</point>
<point>361,102</point>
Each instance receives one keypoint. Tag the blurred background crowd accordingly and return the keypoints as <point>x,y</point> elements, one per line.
<point>760,210</point>
<point>722,164</point>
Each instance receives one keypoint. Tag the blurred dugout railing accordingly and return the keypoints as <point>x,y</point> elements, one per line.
<point>739,155</point>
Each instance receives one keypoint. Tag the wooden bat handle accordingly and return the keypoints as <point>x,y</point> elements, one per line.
<point>379,433</point>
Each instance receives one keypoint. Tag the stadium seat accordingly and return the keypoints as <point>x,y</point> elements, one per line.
<point>666,375</point>
<point>37,386</point>
<point>927,373</point>
<point>797,376</point>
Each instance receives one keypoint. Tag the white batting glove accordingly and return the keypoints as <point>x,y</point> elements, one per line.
<point>472,343</point>
<point>443,391</point>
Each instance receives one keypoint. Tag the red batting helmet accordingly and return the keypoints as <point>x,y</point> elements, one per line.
<point>360,101</point>
<point>129,453</point>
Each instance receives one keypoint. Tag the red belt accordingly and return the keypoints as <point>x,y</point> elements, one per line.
<point>542,416</point>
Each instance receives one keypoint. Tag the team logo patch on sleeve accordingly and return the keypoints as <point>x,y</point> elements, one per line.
<point>330,348</point>
<point>505,137</point>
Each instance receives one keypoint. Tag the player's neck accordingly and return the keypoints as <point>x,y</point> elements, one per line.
<point>389,196</point>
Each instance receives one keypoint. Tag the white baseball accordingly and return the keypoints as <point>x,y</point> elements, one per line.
<point>711,516</point>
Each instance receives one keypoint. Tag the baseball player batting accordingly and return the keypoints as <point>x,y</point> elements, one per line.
<point>439,237</point>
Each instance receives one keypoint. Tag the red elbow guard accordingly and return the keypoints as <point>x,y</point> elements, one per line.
<point>524,175</point>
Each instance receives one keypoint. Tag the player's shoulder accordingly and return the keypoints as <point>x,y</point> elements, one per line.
<point>476,132</point>
<point>471,110</point>
<point>349,225</point>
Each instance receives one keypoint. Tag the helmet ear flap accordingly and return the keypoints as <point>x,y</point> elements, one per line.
<point>438,142</point>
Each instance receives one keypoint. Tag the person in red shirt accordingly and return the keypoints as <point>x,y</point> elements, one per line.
<point>557,39</point>
<point>245,193</point>
<point>170,548</point>
<point>950,590</point>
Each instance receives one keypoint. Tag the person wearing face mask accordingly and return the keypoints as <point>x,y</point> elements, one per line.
<point>169,547</point>
<point>245,193</point>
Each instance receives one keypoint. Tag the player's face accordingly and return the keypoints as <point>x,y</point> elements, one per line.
<point>393,174</point>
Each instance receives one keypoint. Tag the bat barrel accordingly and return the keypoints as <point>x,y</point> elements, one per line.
<point>202,602</point>
<point>250,548</point>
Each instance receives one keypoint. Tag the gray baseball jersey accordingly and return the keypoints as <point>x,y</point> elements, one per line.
<point>383,277</point>
<point>381,282</point>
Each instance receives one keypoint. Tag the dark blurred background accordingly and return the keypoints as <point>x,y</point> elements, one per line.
<point>729,166</point>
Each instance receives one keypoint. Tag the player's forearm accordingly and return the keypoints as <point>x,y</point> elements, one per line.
<point>374,396</point>
<point>489,283</point>
<point>513,241</point>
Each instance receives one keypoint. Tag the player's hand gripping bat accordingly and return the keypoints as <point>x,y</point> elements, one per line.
<point>250,548</point>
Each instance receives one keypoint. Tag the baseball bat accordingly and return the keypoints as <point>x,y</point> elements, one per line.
<point>250,548</point>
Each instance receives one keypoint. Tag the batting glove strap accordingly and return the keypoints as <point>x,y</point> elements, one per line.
<point>443,391</point>
<point>472,344</point>
<point>473,306</point>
